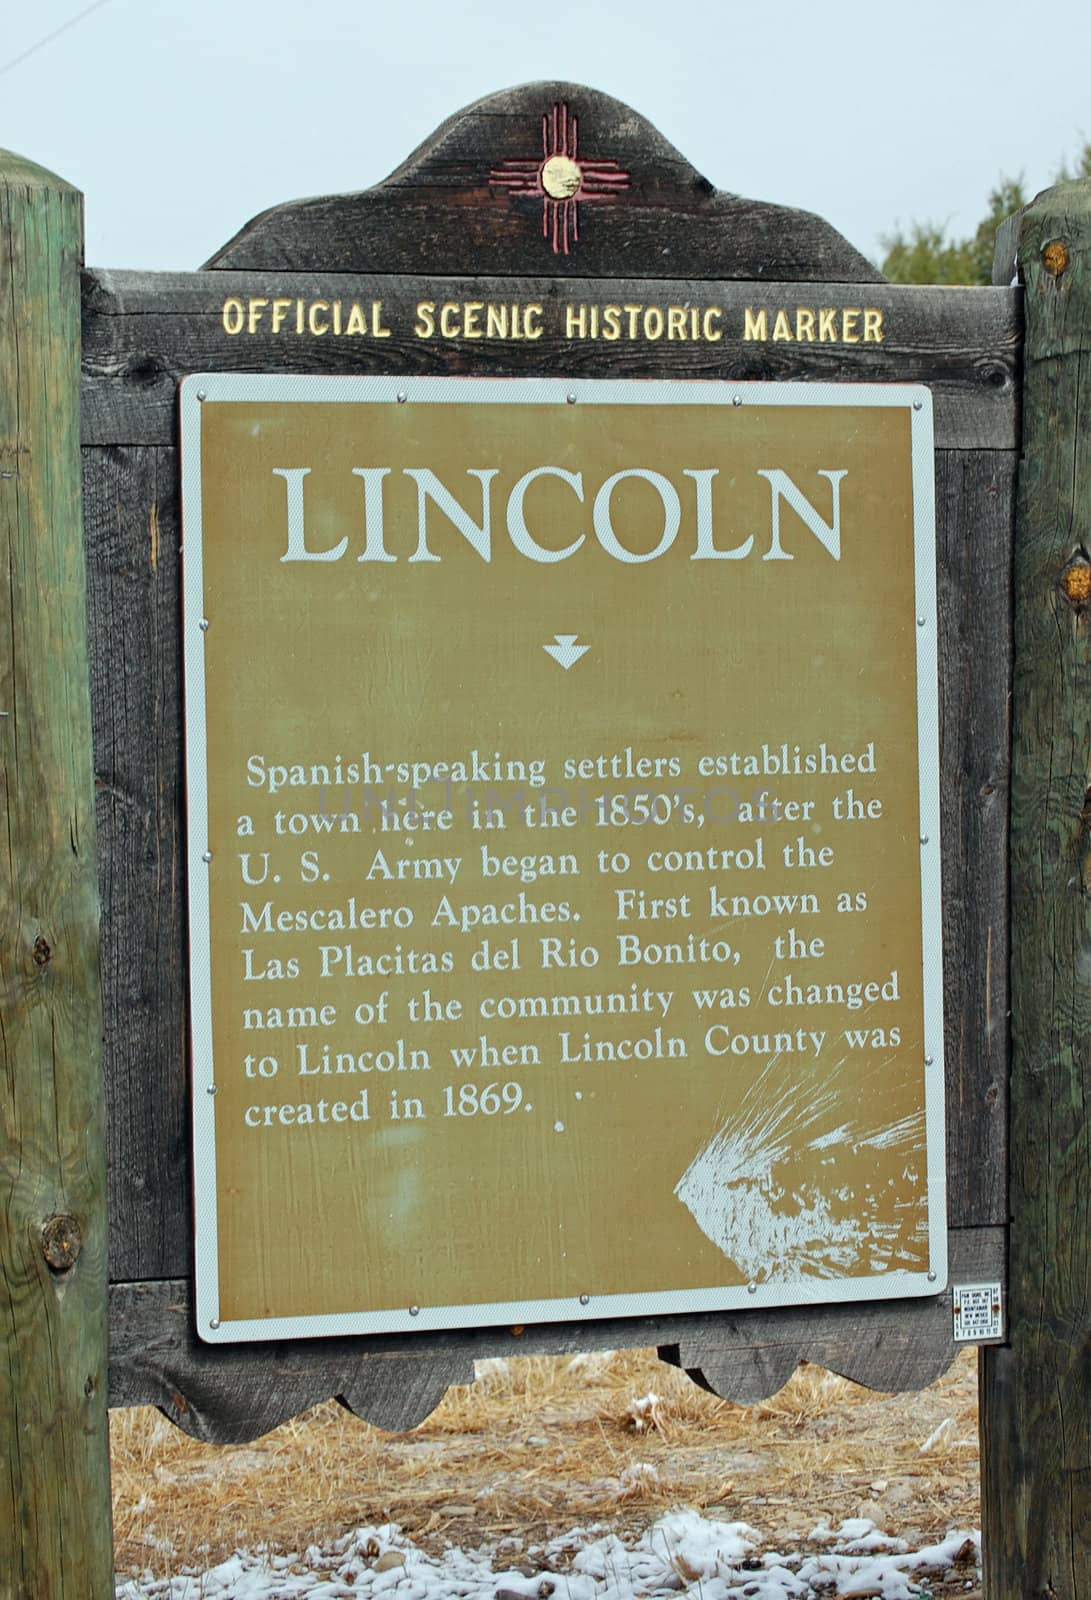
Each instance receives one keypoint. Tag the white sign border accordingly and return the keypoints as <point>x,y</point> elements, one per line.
<point>917,400</point>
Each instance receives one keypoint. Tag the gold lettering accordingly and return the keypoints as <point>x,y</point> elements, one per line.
<point>575,322</point>
<point>532,326</point>
<point>676,322</point>
<point>299,316</point>
<point>337,316</point>
<point>611,322</point>
<point>710,326</point>
<point>827,324</point>
<point>804,324</point>
<point>594,322</point>
<point>377,329</point>
<point>653,323</point>
<point>471,327</point>
<point>849,317</point>
<point>257,306</point>
<point>755,326</point>
<point>357,322</point>
<point>313,319</point>
<point>425,325</point>
<point>234,315</point>
<point>448,320</point>
<point>634,312</point>
<point>280,311</point>
<point>782,328</point>
<point>873,326</point>
<point>496,321</point>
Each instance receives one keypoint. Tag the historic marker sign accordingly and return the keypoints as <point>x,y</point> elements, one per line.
<point>564,849</point>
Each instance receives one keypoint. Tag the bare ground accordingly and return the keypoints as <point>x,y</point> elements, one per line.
<point>538,1447</point>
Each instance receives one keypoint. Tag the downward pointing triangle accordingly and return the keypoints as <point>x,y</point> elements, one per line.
<point>566,651</point>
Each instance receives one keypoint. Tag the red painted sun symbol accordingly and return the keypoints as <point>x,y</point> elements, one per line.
<point>562,178</point>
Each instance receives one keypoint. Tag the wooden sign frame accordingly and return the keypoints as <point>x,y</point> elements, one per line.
<point>423,239</point>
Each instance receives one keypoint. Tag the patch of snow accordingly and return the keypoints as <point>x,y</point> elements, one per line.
<point>720,1559</point>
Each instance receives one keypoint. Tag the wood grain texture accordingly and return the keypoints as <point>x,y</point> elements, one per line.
<point>54,1455</point>
<point>144,331</point>
<point>133,578</point>
<point>974,516</point>
<point>1036,1398</point>
<point>230,1393</point>
<point>439,212</point>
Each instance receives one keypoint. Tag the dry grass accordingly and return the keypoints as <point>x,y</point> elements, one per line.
<point>538,1446</point>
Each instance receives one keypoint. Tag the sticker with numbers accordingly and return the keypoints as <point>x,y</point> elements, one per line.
<point>978,1309</point>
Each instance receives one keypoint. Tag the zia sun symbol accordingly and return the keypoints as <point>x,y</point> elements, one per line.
<point>562,178</point>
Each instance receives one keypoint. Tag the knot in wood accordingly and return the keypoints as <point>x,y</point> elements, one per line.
<point>42,951</point>
<point>1076,582</point>
<point>62,1242</point>
<point>1055,257</point>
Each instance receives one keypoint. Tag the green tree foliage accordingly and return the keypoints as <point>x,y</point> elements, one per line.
<point>925,254</point>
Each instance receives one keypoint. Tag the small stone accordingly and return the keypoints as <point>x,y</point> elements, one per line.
<point>388,1560</point>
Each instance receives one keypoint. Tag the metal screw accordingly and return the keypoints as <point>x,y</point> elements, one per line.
<point>751,1288</point>
<point>585,1299</point>
<point>928,1060</point>
<point>918,405</point>
<point>207,856</point>
<point>214,1322</point>
<point>571,398</point>
<point>921,621</point>
<point>402,398</point>
<point>414,1311</point>
<point>931,1277</point>
<point>201,395</point>
<point>203,624</point>
<point>924,838</point>
<point>212,1089</point>
<point>736,399</point>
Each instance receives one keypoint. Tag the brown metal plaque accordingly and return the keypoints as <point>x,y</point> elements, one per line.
<point>564,849</point>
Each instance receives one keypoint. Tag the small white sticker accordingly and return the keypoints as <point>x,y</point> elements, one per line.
<point>978,1309</point>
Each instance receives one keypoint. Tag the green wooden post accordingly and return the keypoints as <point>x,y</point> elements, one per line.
<point>55,1529</point>
<point>1036,1391</point>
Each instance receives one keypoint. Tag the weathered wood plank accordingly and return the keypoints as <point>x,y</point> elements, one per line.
<point>133,537</point>
<point>1036,1396</point>
<point>899,1345</point>
<point>443,209</point>
<point>54,1452</point>
<point>227,1393</point>
<point>144,332</point>
<point>974,513</point>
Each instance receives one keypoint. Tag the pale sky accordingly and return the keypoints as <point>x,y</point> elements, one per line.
<point>180,122</point>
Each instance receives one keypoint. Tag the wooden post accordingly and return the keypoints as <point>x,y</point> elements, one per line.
<point>1036,1391</point>
<point>55,1530</point>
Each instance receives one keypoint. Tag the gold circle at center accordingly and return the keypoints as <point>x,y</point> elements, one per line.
<point>561,177</point>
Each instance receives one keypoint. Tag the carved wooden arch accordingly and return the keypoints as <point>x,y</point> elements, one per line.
<point>462,202</point>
